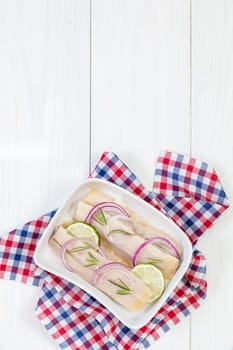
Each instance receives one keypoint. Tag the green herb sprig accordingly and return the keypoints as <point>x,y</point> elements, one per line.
<point>78,249</point>
<point>100,218</point>
<point>120,231</point>
<point>124,289</point>
<point>154,261</point>
<point>92,261</point>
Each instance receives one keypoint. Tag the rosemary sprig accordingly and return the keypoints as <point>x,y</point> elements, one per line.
<point>92,260</point>
<point>100,218</point>
<point>120,231</point>
<point>154,261</point>
<point>124,289</point>
<point>78,249</point>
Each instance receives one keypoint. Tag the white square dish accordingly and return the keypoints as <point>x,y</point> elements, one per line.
<point>47,260</point>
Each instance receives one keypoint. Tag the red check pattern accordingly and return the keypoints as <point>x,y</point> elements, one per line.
<point>188,191</point>
<point>17,250</point>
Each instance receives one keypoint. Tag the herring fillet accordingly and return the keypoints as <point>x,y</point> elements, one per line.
<point>139,292</point>
<point>142,226</point>
<point>130,243</point>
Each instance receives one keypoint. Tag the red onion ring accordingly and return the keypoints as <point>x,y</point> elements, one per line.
<point>106,206</point>
<point>162,240</point>
<point>107,267</point>
<point>72,241</point>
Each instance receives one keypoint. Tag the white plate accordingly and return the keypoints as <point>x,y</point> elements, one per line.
<point>47,260</point>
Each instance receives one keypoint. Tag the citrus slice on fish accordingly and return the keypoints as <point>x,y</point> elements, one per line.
<point>152,277</point>
<point>82,229</point>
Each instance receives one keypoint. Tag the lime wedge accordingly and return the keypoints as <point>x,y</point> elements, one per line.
<point>152,277</point>
<point>82,229</point>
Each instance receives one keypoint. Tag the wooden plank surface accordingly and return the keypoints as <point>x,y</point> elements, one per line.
<point>140,80</point>
<point>140,90</point>
<point>212,127</point>
<point>44,98</point>
<point>82,76</point>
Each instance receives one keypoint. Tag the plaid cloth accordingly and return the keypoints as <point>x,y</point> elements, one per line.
<point>186,190</point>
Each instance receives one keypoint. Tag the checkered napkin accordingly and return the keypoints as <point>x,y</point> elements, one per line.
<point>186,190</point>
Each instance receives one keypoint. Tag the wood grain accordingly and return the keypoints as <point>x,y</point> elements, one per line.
<point>140,90</point>
<point>44,104</point>
<point>212,126</point>
<point>140,80</point>
<point>44,132</point>
<point>78,77</point>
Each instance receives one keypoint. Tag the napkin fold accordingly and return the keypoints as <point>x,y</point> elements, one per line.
<point>186,190</point>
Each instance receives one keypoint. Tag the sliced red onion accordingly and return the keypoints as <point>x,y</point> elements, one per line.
<point>107,206</point>
<point>71,241</point>
<point>109,266</point>
<point>160,240</point>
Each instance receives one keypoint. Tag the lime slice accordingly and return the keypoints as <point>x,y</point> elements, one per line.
<point>82,229</point>
<point>152,277</point>
<point>67,223</point>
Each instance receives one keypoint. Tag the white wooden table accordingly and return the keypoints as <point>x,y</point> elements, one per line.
<point>78,77</point>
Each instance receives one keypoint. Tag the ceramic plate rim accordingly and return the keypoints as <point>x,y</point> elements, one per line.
<point>111,305</point>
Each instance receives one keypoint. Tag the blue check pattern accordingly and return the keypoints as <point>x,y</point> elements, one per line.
<point>186,190</point>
